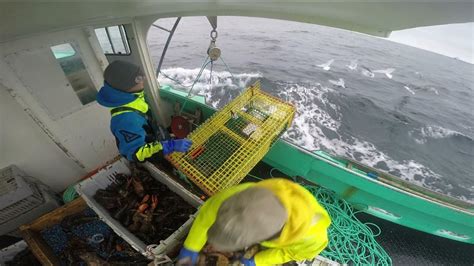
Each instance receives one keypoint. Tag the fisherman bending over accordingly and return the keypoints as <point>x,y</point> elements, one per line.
<point>280,215</point>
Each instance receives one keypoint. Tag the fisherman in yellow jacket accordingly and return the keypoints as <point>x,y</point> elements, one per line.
<point>280,215</point>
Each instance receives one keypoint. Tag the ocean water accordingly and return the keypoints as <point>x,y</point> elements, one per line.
<point>400,109</point>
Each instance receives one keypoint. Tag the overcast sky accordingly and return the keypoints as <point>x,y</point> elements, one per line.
<point>454,40</point>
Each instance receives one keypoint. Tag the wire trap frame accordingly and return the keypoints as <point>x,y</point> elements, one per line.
<point>232,141</point>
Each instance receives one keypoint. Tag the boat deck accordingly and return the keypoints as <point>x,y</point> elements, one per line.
<point>407,246</point>
<point>404,245</point>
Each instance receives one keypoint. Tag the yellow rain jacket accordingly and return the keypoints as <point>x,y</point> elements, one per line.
<point>303,236</point>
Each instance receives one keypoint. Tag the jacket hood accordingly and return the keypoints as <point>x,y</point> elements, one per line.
<point>108,96</point>
<point>301,206</point>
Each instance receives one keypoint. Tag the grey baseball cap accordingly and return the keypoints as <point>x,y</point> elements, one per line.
<point>247,218</point>
<point>122,75</point>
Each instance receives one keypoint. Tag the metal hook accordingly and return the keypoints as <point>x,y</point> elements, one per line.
<point>213,34</point>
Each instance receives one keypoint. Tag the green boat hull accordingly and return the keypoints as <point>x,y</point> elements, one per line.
<point>367,189</point>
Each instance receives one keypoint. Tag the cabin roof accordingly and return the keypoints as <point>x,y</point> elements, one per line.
<point>377,18</point>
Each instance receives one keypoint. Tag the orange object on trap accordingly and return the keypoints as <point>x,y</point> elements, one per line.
<point>231,142</point>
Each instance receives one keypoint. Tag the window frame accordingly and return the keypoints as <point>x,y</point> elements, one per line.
<point>124,38</point>
<point>78,53</point>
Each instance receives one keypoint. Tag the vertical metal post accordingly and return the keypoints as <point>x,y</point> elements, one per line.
<point>163,54</point>
<point>124,39</point>
<point>110,40</point>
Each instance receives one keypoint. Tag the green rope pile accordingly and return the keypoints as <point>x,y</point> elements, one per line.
<point>350,240</point>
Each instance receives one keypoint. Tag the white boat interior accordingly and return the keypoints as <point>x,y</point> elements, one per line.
<point>48,126</point>
<point>52,63</point>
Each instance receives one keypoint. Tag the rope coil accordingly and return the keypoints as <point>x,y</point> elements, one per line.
<point>350,240</point>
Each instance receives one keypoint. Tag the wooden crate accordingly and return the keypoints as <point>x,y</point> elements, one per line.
<point>32,232</point>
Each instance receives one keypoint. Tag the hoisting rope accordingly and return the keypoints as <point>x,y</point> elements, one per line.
<point>227,68</point>
<point>213,54</point>
<point>199,75</point>
<point>191,87</point>
<point>194,83</point>
<point>350,240</point>
<point>201,71</point>
<point>210,74</point>
<point>204,65</point>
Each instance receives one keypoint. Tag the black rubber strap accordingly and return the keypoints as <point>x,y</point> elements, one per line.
<point>126,108</point>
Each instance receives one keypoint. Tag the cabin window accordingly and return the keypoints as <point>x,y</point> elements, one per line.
<point>113,40</point>
<point>76,73</point>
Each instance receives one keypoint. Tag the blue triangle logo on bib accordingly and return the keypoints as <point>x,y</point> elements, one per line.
<point>128,136</point>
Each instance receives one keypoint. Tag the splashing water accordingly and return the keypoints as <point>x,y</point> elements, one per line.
<point>326,66</point>
<point>316,127</point>
<point>367,72</point>
<point>213,87</point>
<point>409,90</point>
<point>353,65</point>
<point>388,72</point>
<point>340,82</point>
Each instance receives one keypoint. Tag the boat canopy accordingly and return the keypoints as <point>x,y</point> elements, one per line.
<point>377,18</point>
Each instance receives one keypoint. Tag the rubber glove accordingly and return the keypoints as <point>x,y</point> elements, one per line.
<point>187,257</point>
<point>248,262</point>
<point>180,145</point>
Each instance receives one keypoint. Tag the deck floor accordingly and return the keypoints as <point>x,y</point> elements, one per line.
<point>407,246</point>
<point>404,245</point>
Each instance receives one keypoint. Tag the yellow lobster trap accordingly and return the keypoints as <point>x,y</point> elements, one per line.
<point>232,141</point>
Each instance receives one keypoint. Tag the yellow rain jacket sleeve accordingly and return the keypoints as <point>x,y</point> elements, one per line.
<point>304,235</point>
<point>148,150</point>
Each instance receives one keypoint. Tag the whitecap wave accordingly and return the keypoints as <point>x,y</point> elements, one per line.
<point>340,83</point>
<point>409,90</point>
<point>423,134</point>
<point>388,72</point>
<point>367,72</point>
<point>437,132</point>
<point>326,66</point>
<point>434,90</point>
<point>352,65</point>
